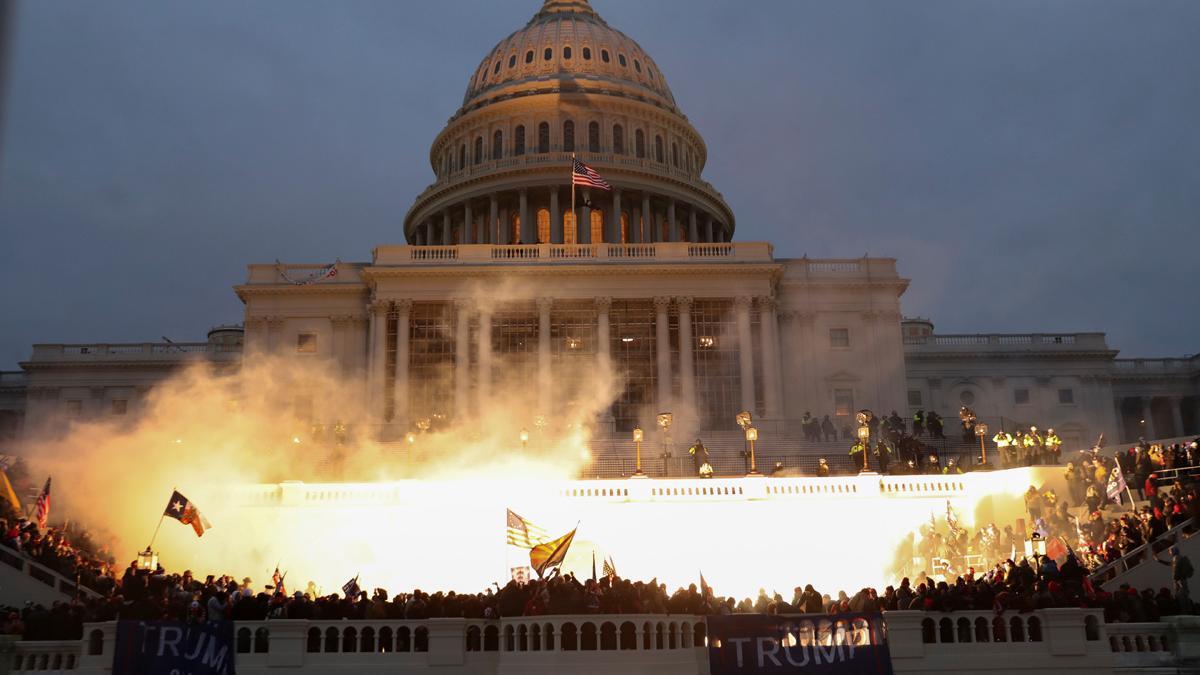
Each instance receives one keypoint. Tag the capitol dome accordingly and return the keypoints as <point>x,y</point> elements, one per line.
<point>568,45</point>
<point>567,84</point>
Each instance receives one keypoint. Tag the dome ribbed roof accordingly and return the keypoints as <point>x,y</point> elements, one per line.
<point>566,46</point>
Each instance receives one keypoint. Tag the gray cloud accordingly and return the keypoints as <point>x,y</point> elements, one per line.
<point>1032,164</point>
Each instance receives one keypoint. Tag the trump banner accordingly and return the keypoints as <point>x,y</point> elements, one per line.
<point>813,644</point>
<point>170,647</point>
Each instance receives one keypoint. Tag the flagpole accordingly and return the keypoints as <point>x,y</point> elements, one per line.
<point>573,216</point>
<point>161,517</point>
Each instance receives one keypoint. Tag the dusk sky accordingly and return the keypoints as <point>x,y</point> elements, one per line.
<point>1034,165</point>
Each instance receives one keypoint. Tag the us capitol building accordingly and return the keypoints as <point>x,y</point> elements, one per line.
<point>498,283</point>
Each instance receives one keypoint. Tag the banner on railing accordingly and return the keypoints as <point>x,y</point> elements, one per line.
<point>813,644</point>
<point>170,647</point>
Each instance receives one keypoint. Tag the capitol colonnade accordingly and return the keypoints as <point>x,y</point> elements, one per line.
<point>542,215</point>
<point>724,360</point>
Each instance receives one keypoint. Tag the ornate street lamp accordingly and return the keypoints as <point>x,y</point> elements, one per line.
<point>664,423</point>
<point>864,417</point>
<point>638,435</point>
<point>147,561</point>
<point>751,436</point>
<point>1035,545</point>
<point>981,429</point>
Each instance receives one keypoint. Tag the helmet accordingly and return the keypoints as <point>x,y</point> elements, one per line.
<point>1050,430</point>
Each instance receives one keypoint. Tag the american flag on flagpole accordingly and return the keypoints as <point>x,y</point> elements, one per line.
<point>42,507</point>
<point>582,174</point>
<point>524,534</point>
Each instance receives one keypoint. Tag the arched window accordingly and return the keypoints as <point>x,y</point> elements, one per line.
<point>497,144</point>
<point>548,54</point>
<point>496,70</point>
<point>587,54</point>
<point>658,150</point>
<point>514,231</point>
<point>462,156</point>
<point>568,143</point>
<point>597,226</point>
<point>618,139</point>
<point>621,59</point>
<point>529,56</point>
<point>637,66</point>
<point>593,137</point>
<point>543,226</point>
<point>566,52</point>
<point>624,227</point>
<point>604,55</point>
<point>512,61</point>
<point>569,229</point>
<point>519,140</point>
<point>478,149</point>
<point>639,143</point>
<point>544,138</point>
<point>675,154</point>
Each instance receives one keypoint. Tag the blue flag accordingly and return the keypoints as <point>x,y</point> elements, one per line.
<point>813,644</point>
<point>159,647</point>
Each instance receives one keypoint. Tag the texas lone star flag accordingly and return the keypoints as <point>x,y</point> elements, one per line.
<point>183,510</point>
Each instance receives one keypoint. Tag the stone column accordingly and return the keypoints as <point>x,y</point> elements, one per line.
<point>556,220</point>
<point>447,237</point>
<point>672,229</point>
<point>662,346</point>
<point>403,309</point>
<point>429,240</point>
<point>635,226</point>
<point>741,307</point>
<point>648,234</point>
<point>583,228</point>
<point>1176,415</point>
<point>687,368</point>
<point>485,360</point>
<point>544,376</point>
<point>468,224</point>
<point>526,236</point>
<point>603,341</point>
<point>1147,414</point>
<point>693,231</point>
<point>489,231</point>
<point>708,228</point>
<point>379,310</point>
<point>462,358</point>
<point>614,231</point>
<point>772,387</point>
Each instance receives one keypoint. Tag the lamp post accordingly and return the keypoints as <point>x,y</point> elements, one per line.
<point>864,417</point>
<point>1035,545</point>
<point>751,436</point>
<point>524,439</point>
<point>664,423</point>
<point>981,429</point>
<point>638,435</point>
<point>745,419</point>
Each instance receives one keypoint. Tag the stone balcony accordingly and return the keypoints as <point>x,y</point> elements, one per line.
<point>1187,365</point>
<point>150,352</point>
<point>1006,342</point>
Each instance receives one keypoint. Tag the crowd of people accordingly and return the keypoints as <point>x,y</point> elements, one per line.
<point>963,570</point>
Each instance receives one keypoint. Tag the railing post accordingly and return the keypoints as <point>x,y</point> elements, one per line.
<point>288,638</point>
<point>1063,629</point>
<point>904,634</point>
<point>448,642</point>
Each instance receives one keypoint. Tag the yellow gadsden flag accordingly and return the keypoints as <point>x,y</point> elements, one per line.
<point>550,554</point>
<point>6,492</point>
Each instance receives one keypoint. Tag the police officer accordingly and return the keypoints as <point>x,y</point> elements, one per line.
<point>1053,446</point>
<point>1004,441</point>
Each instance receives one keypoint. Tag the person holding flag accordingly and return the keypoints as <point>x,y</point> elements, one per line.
<point>1116,483</point>
<point>277,581</point>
